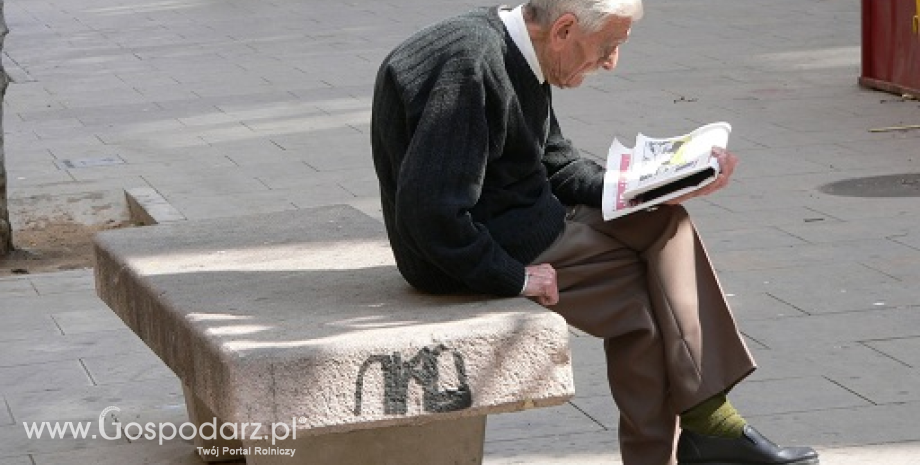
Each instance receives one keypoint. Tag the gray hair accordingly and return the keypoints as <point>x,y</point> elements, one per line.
<point>592,14</point>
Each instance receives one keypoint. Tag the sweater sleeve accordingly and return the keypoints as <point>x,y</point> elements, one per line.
<point>441,179</point>
<point>575,180</point>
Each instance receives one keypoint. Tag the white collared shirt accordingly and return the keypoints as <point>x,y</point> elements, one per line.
<point>517,29</point>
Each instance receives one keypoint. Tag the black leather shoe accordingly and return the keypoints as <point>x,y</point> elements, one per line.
<point>750,449</point>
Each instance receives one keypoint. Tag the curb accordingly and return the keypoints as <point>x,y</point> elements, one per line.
<point>147,207</point>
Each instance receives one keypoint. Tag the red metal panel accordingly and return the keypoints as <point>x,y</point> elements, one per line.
<point>891,45</point>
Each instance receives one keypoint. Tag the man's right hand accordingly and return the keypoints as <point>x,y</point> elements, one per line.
<point>541,284</point>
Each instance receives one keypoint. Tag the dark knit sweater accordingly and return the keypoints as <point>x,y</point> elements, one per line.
<point>474,172</point>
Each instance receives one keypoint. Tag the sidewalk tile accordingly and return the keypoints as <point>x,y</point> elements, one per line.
<point>128,367</point>
<point>88,321</point>
<point>52,376</point>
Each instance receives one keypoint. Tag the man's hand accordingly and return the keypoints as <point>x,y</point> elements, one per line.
<point>541,284</point>
<point>727,162</point>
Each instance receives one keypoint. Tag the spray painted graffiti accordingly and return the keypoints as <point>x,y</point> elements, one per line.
<point>423,369</point>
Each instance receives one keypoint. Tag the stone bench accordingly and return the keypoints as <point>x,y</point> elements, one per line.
<point>301,319</point>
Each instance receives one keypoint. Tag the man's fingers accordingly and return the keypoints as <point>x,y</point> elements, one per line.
<point>541,284</point>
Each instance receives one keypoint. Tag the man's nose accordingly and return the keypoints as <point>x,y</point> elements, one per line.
<point>610,61</point>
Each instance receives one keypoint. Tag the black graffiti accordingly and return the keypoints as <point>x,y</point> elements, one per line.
<point>423,369</point>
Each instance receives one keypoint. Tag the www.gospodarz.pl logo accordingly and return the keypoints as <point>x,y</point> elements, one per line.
<point>164,431</point>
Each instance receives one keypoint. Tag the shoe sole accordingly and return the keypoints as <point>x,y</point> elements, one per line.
<point>800,462</point>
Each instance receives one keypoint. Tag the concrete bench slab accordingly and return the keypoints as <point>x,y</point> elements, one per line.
<point>301,318</point>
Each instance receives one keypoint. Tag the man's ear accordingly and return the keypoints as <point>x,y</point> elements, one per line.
<point>562,30</point>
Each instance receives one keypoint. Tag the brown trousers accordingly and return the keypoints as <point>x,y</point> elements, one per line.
<point>644,284</point>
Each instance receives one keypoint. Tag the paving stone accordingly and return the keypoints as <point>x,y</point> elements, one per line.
<point>175,452</point>
<point>905,350</point>
<point>63,282</point>
<point>201,185</point>
<point>824,297</point>
<point>54,302</point>
<point>86,403</point>
<point>23,180</point>
<point>842,273</point>
<point>87,321</point>
<point>867,426</point>
<point>14,442</point>
<point>22,460</point>
<point>709,218</point>
<point>6,418</point>
<point>811,394</point>
<point>52,376</point>
<point>591,380</point>
<point>198,207</point>
<point>24,323</point>
<point>856,229</point>
<point>820,330</point>
<point>602,409</point>
<point>58,189</point>
<point>129,367</point>
<point>882,386</point>
<point>889,454</point>
<point>539,423</point>
<point>47,347</point>
<point>590,448</point>
<point>145,167</point>
<point>750,306</point>
<point>587,350</point>
<point>822,285</point>
<point>834,361</point>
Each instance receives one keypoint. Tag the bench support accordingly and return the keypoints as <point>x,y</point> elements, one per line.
<point>445,442</point>
<point>198,414</point>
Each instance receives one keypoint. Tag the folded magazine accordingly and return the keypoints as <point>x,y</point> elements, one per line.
<point>658,170</point>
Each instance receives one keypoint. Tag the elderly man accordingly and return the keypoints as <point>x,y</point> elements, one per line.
<point>482,193</point>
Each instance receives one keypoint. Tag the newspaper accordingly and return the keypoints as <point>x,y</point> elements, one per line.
<point>658,170</point>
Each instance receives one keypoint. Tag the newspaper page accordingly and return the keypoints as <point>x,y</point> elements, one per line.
<point>657,170</point>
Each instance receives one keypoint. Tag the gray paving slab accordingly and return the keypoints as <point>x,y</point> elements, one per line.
<point>751,305</point>
<point>539,423</point>
<point>51,302</point>
<point>22,460</point>
<point>125,367</point>
<point>200,100</point>
<point>45,347</point>
<point>63,282</point>
<point>905,350</point>
<point>169,453</point>
<point>219,206</point>
<point>15,443</point>
<point>52,376</point>
<point>6,418</point>
<point>85,403</point>
<point>770,397</point>
<point>24,323</point>
<point>828,297</point>
<point>884,323</point>
<point>600,408</point>
<point>849,360</point>
<point>16,287</point>
<point>87,321</point>
<point>867,426</point>
<point>591,448</point>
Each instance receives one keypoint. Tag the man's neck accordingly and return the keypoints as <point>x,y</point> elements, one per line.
<point>539,37</point>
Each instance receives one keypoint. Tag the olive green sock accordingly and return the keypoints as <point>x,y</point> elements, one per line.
<point>714,417</point>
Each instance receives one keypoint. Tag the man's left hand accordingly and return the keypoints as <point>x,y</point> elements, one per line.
<point>727,162</point>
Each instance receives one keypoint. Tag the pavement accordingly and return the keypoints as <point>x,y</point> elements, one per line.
<point>228,108</point>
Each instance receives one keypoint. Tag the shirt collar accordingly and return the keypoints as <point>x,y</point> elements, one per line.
<point>517,29</point>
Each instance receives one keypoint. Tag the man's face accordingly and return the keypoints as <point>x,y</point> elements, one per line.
<point>577,53</point>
